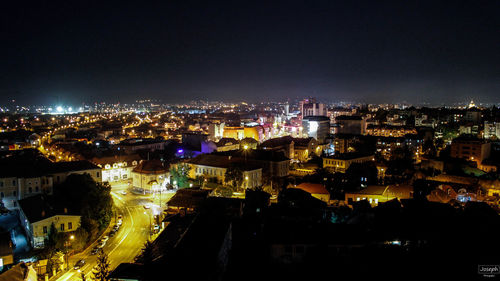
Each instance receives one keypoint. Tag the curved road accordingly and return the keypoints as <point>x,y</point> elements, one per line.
<point>128,241</point>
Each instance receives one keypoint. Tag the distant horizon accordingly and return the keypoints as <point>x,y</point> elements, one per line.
<point>54,100</point>
<point>362,51</point>
<point>291,101</point>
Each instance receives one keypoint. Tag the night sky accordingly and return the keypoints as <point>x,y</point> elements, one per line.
<point>364,51</point>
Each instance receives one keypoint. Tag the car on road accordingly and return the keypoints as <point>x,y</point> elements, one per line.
<point>123,192</point>
<point>101,244</point>
<point>79,264</point>
<point>146,207</point>
<point>105,238</point>
<point>156,228</point>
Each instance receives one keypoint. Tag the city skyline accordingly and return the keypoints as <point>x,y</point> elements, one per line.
<point>249,140</point>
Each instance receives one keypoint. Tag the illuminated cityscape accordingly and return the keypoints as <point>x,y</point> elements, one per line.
<point>250,141</point>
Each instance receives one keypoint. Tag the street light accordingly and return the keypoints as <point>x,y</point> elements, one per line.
<point>71,238</point>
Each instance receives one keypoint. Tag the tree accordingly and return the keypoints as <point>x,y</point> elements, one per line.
<point>179,174</point>
<point>52,245</point>
<point>234,176</point>
<point>90,226</point>
<point>147,256</point>
<point>52,238</point>
<point>81,239</point>
<point>93,200</point>
<point>101,271</point>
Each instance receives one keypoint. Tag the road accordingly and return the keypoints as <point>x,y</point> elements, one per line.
<point>129,240</point>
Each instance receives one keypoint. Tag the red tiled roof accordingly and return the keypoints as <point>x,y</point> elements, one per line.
<point>313,188</point>
<point>150,167</point>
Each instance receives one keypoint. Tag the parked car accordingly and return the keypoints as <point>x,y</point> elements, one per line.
<point>94,251</point>
<point>105,238</point>
<point>156,228</point>
<point>79,264</point>
<point>119,222</point>
<point>123,192</point>
<point>116,227</point>
<point>120,217</point>
<point>112,233</point>
<point>101,244</point>
<point>146,206</point>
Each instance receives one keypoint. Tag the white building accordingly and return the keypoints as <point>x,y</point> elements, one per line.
<point>491,129</point>
<point>150,175</point>
<point>19,180</point>
<point>37,216</point>
<point>117,168</point>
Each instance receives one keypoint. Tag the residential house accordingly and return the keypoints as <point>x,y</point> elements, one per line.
<point>150,175</point>
<point>376,194</point>
<point>118,167</point>
<point>316,190</point>
<point>215,166</point>
<point>38,213</point>
<point>342,162</point>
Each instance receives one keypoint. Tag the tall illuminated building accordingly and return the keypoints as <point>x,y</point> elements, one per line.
<point>309,107</point>
<point>317,127</point>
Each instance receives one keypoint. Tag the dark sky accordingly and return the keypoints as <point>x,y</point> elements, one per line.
<point>368,51</point>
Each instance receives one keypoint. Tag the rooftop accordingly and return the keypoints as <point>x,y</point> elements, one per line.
<point>116,158</point>
<point>347,117</point>
<point>313,188</point>
<point>277,141</point>
<point>227,141</point>
<point>316,118</point>
<point>40,207</point>
<point>349,156</point>
<point>302,141</point>
<point>256,154</point>
<point>151,167</point>
<point>221,161</point>
<point>61,167</point>
<point>188,198</point>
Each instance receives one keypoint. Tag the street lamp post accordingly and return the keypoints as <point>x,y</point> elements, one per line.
<point>67,243</point>
<point>245,148</point>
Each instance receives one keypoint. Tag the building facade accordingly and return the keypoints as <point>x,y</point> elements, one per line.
<point>150,176</point>
<point>355,125</point>
<point>317,127</point>
<point>471,149</point>
<point>117,168</point>
<point>215,166</point>
<point>342,162</point>
<point>37,216</point>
